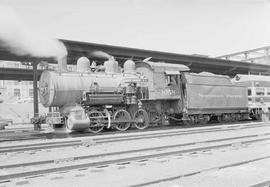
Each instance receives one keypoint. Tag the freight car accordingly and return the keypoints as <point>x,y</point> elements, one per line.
<point>140,94</point>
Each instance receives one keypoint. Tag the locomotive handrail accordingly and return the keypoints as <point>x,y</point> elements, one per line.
<point>103,90</point>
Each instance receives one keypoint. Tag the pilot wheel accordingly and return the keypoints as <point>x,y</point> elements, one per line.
<point>96,121</point>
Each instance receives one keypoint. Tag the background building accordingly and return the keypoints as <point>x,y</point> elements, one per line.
<point>15,90</point>
<point>11,90</point>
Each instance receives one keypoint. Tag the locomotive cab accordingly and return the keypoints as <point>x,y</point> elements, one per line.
<point>165,91</point>
<point>163,79</point>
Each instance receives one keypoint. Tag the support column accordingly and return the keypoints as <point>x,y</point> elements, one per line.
<point>35,94</point>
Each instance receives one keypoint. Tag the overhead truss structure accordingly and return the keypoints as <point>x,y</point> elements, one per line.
<point>256,56</point>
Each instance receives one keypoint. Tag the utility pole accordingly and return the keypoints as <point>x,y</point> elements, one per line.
<point>35,94</point>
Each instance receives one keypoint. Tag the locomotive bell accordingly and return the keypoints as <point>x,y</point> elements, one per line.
<point>93,66</point>
<point>83,64</point>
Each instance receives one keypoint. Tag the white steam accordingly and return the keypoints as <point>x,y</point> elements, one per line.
<point>22,40</point>
<point>101,54</point>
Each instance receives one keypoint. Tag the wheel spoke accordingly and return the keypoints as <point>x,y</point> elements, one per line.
<point>123,117</point>
<point>142,119</point>
<point>96,119</point>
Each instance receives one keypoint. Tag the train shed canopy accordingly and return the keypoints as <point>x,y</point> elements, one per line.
<point>76,49</point>
<point>194,62</point>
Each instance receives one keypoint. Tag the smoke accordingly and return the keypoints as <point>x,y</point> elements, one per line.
<point>23,40</point>
<point>101,54</point>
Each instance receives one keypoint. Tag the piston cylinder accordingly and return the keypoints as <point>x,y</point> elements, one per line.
<point>76,118</point>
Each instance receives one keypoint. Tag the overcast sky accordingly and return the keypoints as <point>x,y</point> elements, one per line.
<point>208,27</point>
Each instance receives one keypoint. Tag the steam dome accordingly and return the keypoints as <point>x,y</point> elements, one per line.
<point>83,64</point>
<point>129,66</point>
<point>111,66</point>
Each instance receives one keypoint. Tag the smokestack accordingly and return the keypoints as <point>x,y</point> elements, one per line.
<point>62,64</point>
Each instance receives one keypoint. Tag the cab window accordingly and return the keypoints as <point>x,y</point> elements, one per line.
<point>171,80</point>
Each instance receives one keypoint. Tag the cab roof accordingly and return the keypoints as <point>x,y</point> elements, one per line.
<point>164,66</point>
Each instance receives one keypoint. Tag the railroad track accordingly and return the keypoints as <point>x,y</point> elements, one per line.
<point>167,179</point>
<point>126,137</point>
<point>31,169</point>
<point>21,134</point>
<point>262,184</point>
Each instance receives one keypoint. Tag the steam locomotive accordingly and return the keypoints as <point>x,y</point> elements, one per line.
<point>141,94</point>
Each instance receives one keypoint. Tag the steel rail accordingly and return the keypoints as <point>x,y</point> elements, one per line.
<point>266,183</point>
<point>120,160</point>
<point>32,135</point>
<point>70,143</point>
<point>131,151</point>
<point>261,184</point>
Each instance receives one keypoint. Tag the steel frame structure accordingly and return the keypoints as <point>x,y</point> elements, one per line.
<point>258,56</point>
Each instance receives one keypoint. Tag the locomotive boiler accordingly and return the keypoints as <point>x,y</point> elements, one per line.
<point>60,88</point>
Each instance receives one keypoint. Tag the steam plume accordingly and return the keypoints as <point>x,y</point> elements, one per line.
<point>22,40</point>
<point>101,54</point>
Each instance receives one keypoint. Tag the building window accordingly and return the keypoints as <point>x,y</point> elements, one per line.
<point>249,91</point>
<point>9,82</point>
<point>268,91</point>
<point>17,92</point>
<point>31,93</point>
<point>259,91</point>
<point>16,82</point>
